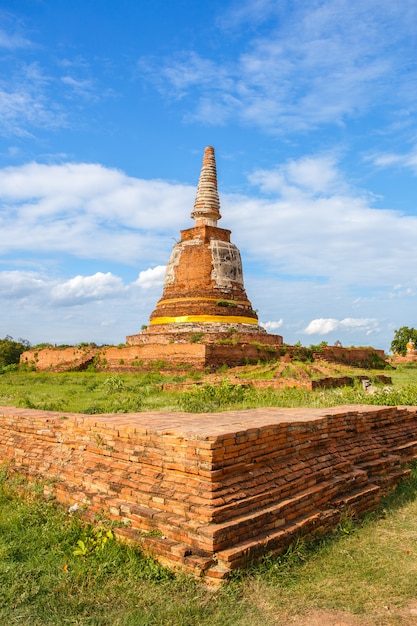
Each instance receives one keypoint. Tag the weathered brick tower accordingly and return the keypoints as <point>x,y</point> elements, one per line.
<point>204,303</point>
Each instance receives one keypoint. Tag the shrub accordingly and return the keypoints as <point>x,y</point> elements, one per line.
<point>208,397</point>
<point>401,338</point>
<point>11,350</point>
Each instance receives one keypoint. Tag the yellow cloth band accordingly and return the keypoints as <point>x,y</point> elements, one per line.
<point>204,319</point>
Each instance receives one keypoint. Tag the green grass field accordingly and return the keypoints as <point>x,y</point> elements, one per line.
<point>92,392</point>
<point>365,572</point>
<point>56,570</point>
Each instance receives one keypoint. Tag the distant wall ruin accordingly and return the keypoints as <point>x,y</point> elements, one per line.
<point>198,355</point>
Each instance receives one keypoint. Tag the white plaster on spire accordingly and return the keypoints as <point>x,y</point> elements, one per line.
<point>207,203</point>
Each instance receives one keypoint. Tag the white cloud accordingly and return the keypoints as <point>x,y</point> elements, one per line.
<point>319,63</point>
<point>324,326</point>
<point>401,291</point>
<point>20,284</point>
<point>406,160</point>
<point>333,235</point>
<point>152,277</point>
<point>98,307</point>
<point>89,211</point>
<point>13,41</point>
<point>313,174</point>
<point>80,87</point>
<point>31,92</point>
<point>84,288</point>
<point>305,229</point>
<point>17,284</point>
<point>271,326</point>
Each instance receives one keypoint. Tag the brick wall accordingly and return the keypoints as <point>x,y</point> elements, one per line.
<point>221,488</point>
<point>363,357</point>
<point>212,350</point>
<point>197,355</point>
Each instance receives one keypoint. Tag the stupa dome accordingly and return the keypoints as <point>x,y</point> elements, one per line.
<point>204,276</point>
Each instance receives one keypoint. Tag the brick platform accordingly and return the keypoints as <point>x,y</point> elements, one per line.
<point>221,488</point>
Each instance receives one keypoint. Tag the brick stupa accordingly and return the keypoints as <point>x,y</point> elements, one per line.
<point>204,316</point>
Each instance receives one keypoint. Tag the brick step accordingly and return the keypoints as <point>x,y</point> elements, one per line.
<point>177,554</point>
<point>379,466</point>
<point>360,500</point>
<point>407,450</point>
<point>281,512</point>
<point>389,481</point>
<point>277,541</point>
<point>312,523</point>
<point>242,501</point>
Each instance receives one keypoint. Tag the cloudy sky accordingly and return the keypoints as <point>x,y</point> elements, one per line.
<point>105,110</point>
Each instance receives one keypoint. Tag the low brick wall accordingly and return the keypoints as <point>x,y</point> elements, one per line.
<point>232,350</point>
<point>362,357</point>
<point>221,488</point>
<point>139,356</point>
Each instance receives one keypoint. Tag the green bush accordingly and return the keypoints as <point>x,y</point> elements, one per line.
<point>208,397</point>
<point>11,350</point>
<point>401,338</point>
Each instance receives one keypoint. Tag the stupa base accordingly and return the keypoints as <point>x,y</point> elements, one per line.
<point>206,345</point>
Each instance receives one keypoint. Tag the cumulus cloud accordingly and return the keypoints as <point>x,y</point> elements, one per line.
<point>84,288</point>
<point>311,174</point>
<point>99,307</point>
<point>323,231</point>
<point>324,326</point>
<point>89,211</point>
<point>152,277</point>
<point>24,285</point>
<point>271,326</point>
<point>17,284</point>
<point>311,225</point>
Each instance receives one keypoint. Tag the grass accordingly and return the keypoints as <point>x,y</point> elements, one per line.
<point>366,569</point>
<point>43,582</point>
<point>84,392</point>
<point>93,392</point>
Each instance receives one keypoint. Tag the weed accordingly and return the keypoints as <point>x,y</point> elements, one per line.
<point>114,383</point>
<point>93,540</point>
<point>226,303</point>
<point>195,337</point>
<point>94,410</point>
<point>208,398</point>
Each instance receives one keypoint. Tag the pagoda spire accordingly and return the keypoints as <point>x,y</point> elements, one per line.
<point>207,204</point>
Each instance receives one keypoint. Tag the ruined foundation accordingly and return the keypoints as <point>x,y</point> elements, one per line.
<point>224,488</point>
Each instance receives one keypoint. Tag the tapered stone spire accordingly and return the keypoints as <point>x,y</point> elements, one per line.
<point>207,204</point>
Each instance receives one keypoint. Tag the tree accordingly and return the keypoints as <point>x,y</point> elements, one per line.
<point>401,337</point>
<point>11,350</point>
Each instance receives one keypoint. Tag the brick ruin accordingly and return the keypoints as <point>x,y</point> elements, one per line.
<point>204,300</point>
<point>204,318</point>
<point>209,494</point>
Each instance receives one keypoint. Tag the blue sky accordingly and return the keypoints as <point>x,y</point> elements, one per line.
<point>105,110</point>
